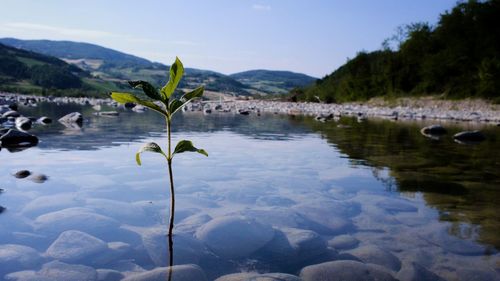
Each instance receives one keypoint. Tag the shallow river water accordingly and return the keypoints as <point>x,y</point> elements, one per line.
<point>277,194</point>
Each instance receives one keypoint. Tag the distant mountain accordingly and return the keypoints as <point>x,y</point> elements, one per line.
<point>30,72</point>
<point>271,82</point>
<point>115,68</point>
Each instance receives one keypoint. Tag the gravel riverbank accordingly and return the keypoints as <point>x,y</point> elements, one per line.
<point>424,108</point>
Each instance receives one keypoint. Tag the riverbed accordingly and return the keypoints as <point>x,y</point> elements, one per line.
<point>280,195</point>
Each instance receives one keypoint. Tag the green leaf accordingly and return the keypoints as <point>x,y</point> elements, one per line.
<point>126,97</point>
<point>176,72</point>
<point>186,145</point>
<point>175,105</point>
<point>196,93</point>
<point>147,88</point>
<point>151,147</point>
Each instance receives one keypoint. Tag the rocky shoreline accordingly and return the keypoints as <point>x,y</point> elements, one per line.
<point>477,111</point>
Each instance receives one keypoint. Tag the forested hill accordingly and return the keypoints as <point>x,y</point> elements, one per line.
<point>457,58</point>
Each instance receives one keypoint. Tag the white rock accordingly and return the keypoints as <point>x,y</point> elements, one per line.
<point>58,271</point>
<point>307,244</point>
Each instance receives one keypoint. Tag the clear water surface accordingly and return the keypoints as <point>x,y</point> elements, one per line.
<point>276,194</point>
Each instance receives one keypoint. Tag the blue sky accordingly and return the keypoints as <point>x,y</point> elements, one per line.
<point>313,37</point>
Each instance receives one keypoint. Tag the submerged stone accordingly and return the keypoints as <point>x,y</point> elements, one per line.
<point>416,272</point>
<point>59,271</point>
<point>76,247</point>
<point>234,236</point>
<point>343,242</point>
<point>188,272</point>
<point>15,257</point>
<point>376,255</point>
<point>342,271</point>
<point>252,276</point>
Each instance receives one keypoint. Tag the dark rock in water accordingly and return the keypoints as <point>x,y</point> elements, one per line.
<point>23,123</point>
<point>2,209</point>
<point>14,138</point>
<point>44,120</point>
<point>40,178</point>
<point>2,190</point>
<point>243,112</point>
<point>13,106</point>
<point>11,113</point>
<point>433,130</point>
<point>22,174</point>
<point>74,117</point>
<point>469,137</point>
<point>129,105</point>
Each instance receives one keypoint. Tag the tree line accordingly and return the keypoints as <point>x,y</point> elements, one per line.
<point>459,57</point>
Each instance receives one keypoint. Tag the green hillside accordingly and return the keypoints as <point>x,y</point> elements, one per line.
<point>29,72</point>
<point>273,82</point>
<point>457,58</point>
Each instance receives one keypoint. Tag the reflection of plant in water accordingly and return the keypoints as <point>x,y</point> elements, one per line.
<point>163,102</point>
<point>1,208</point>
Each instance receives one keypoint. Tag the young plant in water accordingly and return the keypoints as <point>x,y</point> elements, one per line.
<point>164,103</point>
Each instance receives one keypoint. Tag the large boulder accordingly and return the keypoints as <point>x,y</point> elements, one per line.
<point>234,236</point>
<point>74,246</point>
<point>344,270</point>
<point>15,138</point>
<point>187,272</point>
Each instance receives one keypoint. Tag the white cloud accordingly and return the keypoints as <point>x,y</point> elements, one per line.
<point>32,30</point>
<point>260,7</point>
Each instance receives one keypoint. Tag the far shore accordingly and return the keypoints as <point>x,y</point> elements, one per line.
<point>466,110</point>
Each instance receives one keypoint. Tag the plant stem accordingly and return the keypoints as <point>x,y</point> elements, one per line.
<point>172,201</point>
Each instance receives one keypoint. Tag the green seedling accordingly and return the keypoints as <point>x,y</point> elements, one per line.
<point>164,103</point>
